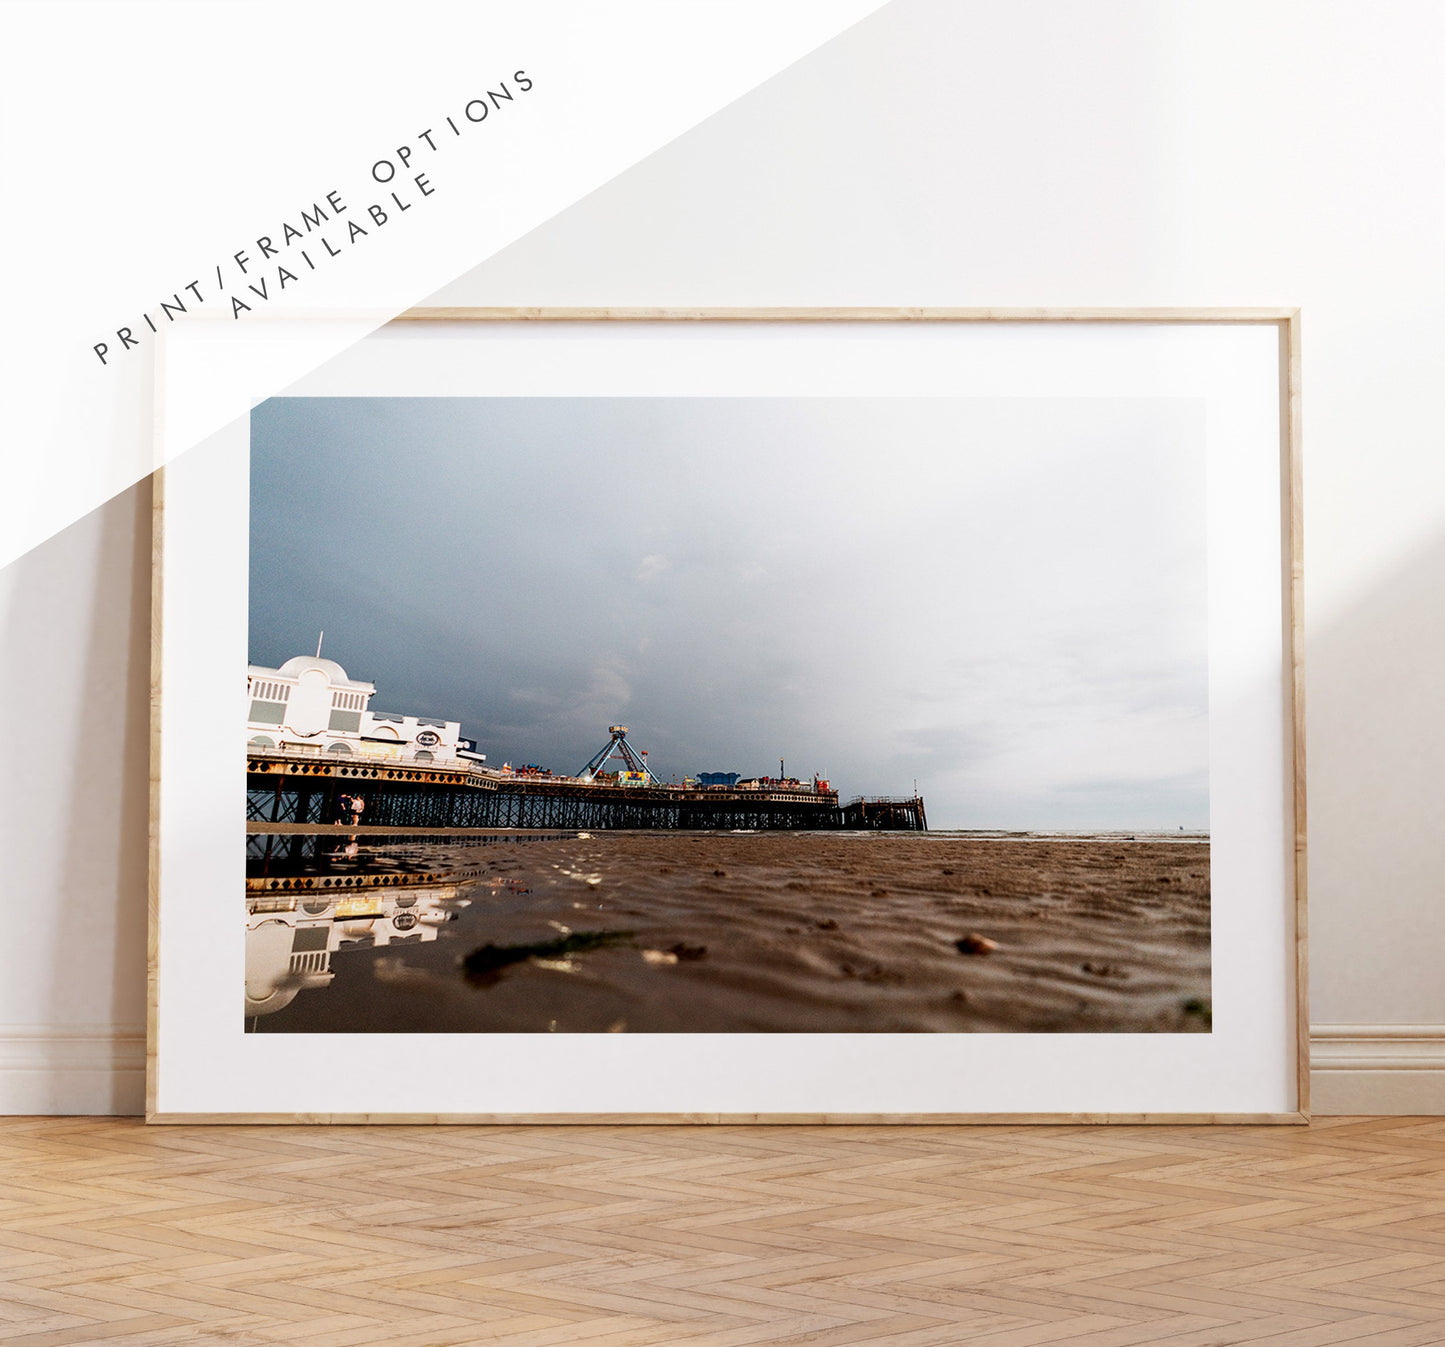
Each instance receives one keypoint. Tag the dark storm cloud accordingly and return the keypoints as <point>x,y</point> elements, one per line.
<point>1004,600</point>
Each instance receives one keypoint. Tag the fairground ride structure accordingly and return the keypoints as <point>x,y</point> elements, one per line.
<point>634,773</point>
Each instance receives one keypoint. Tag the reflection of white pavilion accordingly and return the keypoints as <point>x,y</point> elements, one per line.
<point>309,704</point>
<point>290,940</point>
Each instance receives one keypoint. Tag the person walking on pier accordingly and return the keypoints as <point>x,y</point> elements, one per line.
<point>348,809</point>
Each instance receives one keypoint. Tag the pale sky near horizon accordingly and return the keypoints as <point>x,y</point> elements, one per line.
<point>1002,599</point>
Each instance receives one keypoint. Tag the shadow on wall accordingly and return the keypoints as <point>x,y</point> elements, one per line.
<point>74,680</point>
<point>1375,712</point>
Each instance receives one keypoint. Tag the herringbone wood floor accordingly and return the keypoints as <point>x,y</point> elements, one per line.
<point>1006,1236</point>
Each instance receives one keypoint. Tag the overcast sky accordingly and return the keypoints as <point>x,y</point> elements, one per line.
<point>1002,599</point>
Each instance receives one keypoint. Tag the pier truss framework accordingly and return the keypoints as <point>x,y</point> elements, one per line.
<point>307,790</point>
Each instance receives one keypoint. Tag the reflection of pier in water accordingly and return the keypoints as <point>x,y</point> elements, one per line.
<point>300,857</point>
<point>311,894</point>
<point>304,788</point>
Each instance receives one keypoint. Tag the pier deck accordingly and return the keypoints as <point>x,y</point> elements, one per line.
<point>303,788</point>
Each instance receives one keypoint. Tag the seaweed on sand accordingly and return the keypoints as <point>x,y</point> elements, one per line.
<point>485,962</point>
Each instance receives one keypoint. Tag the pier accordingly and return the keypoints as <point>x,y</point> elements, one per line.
<point>298,787</point>
<point>892,813</point>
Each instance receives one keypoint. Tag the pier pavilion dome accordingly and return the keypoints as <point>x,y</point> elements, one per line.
<point>335,674</point>
<point>310,705</point>
<point>307,699</point>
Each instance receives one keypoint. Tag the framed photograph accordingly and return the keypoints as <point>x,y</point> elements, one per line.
<point>806,715</point>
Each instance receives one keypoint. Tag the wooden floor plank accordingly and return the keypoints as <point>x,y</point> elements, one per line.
<point>1329,1236</point>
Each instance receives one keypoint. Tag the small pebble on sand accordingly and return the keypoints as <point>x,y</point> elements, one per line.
<point>974,943</point>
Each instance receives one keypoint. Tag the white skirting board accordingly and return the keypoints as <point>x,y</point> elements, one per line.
<point>100,1068</point>
<point>1377,1068</point>
<point>72,1068</point>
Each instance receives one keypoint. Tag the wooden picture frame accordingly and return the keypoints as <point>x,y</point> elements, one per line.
<point>175,532</point>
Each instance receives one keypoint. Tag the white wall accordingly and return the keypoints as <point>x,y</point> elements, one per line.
<point>74,681</point>
<point>951,153</point>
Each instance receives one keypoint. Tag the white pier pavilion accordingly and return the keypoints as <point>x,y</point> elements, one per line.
<point>310,705</point>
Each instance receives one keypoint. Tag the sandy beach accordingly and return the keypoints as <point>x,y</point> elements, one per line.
<point>788,932</point>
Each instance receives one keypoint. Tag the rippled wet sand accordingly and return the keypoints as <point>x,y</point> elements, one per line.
<point>789,932</point>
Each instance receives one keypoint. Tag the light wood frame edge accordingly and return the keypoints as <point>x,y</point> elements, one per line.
<point>1292,494</point>
<point>730,1119</point>
<point>153,830</point>
<point>153,886</point>
<point>1287,320</point>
